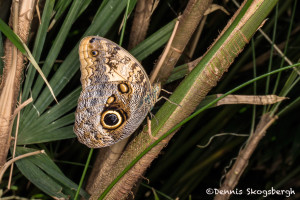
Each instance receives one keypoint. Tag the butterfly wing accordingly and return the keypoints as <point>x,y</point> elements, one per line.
<point>112,103</point>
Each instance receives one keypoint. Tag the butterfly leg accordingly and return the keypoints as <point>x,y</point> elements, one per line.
<point>166,91</point>
<point>162,97</point>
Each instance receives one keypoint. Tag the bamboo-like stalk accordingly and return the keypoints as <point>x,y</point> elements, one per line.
<point>141,21</point>
<point>106,158</point>
<point>188,23</point>
<point>190,92</point>
<point>21,18</point>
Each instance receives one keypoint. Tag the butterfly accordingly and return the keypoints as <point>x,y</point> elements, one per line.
<point>116,93</point>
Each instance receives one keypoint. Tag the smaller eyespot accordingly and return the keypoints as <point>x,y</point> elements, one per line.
<point>94,53</point>
<point>111,99</point>
<point>123,88</point>
<point>92,40</point>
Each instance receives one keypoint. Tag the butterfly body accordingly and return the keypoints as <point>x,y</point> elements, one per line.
<point>116,93</point>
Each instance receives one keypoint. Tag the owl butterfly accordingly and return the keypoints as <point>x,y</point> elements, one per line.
<point>116,93</point>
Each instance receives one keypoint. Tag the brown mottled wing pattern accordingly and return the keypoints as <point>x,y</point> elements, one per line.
<point>115,89</point>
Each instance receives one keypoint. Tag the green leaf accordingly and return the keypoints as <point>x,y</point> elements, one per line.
<point>153,42</point>
<point>155,194</point>
<point>51,126</point>
<point>38,47</point>
<point>42,172</point>
<point>60,8</point>
<point>84,5</point>
<point>6,30</point>
<point>57,46</point>
<point>47,135</point>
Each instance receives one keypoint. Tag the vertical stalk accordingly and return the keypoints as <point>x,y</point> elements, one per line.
<point>20,18</point>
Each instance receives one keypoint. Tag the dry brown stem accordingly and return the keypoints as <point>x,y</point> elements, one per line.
<point>188,23</point>
<point>21,18</point>
<point>163,56</point>
<point>124,186</point>
<point>249,99</point>
<point>233,176</point>
<point>106,158</point>
<point>140,22</point>
<point>128,181</point>
<point>191,47</point>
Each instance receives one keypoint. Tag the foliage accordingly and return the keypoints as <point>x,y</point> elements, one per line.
<point>183,169</point>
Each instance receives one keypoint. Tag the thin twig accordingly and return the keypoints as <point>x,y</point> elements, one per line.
<point>38,11</point>
<point>8,163</point>
<point>233,176</point>
<point>17,112</point>
<point>163,57</point>
<point>15,145</point>
<point>20,107</point>
<point>221,134</point>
